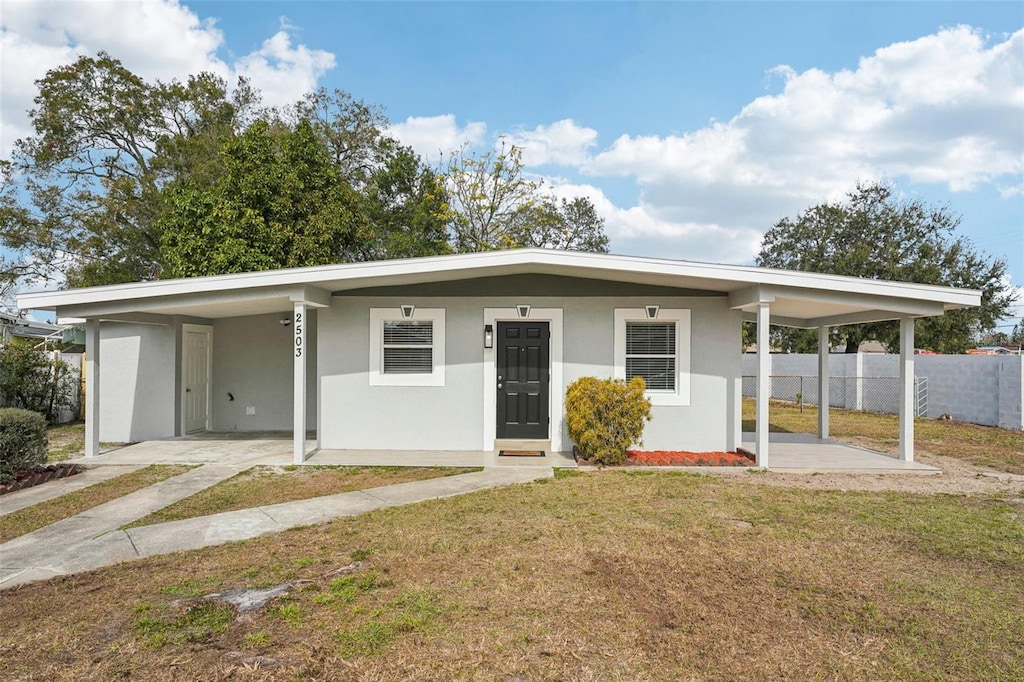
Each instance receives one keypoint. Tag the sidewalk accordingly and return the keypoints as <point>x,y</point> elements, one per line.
<point>93,539</point>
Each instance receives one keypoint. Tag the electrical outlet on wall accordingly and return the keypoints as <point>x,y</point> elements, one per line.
<point>250,410</point>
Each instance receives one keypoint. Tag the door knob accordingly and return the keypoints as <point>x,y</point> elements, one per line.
<point>499,385</point>
<point>188,390</point>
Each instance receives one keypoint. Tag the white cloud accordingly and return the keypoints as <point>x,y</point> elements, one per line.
<point>563,143</point>
<point>432,136</point>
<point>156,39</point>
<point>943,109</point>
<point>646,230</point>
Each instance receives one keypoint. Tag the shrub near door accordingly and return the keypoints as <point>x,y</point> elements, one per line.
<point>605,417</point>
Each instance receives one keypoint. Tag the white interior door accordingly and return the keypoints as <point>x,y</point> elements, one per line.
<point>196,377</point>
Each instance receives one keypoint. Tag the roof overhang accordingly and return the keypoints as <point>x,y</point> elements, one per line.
<point>800,299</point>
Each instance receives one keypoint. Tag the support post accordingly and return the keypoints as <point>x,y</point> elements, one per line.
<point>299,391</point>
<point>823,382</point>
<point>907,389</point>
<point>763,386</point>
<point>92,387</point>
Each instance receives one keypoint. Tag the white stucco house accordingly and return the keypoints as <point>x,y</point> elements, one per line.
<point>457,352</point>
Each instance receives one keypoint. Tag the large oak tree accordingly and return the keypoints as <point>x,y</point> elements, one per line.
<point>876,234</point>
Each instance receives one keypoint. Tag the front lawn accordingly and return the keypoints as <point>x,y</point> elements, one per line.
<point>603,575</point>
<point>988,446</point>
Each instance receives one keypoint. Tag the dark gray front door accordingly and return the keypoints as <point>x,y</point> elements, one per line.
<point>523,378</point>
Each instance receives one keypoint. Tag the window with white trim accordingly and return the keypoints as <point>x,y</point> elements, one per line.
<point>406,351</point>
<point>658,350</point>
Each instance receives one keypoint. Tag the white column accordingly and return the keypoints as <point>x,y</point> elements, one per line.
<point>299,390</point>
<point>858,382</point>
<point>92,388</point>
<point>763,386</point>
<point>823,382</point>
<point>907,393</point>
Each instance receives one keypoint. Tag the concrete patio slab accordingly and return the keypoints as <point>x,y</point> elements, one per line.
<point>238,448</point>
<point>806,453</point>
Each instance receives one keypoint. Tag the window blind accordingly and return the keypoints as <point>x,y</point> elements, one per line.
<point>408,347</point>
<point>651,354</point>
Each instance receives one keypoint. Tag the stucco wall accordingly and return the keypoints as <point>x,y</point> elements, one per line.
<point>137,382</point>
<point>357,415</point>
<point>253,361</point>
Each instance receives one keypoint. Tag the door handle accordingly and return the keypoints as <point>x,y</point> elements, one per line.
<point>499,385</point>
<point>188,390</point>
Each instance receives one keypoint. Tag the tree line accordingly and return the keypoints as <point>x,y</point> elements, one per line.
<point>127,180</point>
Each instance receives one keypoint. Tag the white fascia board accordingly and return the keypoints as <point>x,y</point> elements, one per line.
<point>461,266</point>
<point>834,320</point>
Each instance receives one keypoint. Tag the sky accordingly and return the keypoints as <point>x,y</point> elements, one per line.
<point>692,126</point>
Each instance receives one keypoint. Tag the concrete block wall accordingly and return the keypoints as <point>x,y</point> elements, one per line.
<point>981,389</point>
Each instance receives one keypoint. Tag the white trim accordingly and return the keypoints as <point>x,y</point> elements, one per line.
<point>556,399</point>
<point>654,271</point>
<point>681,316</point>
<point>377,377</point>
<point>300,325</point>
<point>208,330</point>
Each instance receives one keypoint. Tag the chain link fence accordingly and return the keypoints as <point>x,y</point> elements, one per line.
<point>868,394</point>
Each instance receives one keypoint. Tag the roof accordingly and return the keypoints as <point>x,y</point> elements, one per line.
<point>802,299</point>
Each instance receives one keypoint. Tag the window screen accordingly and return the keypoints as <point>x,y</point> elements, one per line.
<point>651,354</point>
<point>408,347</point>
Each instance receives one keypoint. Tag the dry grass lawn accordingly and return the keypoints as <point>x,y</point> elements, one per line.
<point>988,446</point>
<point>262,485</point>
<point>32,518</point>
<point>610,575</point>
<point>65,441</point>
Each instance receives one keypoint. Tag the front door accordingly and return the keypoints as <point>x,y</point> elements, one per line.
<point>196,377</point>
<point>523,378</point>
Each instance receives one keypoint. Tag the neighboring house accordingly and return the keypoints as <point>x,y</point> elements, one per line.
<point>14,326</point>
<point>455,352</point>
<point>992,350</point>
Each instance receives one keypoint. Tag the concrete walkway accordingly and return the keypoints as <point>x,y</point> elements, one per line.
<point>94,538</point>
<point>20,499</point>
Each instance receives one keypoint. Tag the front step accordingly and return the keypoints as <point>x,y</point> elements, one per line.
<point>522,444</point>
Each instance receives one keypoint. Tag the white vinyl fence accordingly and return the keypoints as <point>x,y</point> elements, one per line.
<point>982,389</point>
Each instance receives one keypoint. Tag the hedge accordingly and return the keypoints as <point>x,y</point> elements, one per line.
<point>22,441</point>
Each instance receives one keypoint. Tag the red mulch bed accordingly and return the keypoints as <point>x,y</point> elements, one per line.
<point>681,458</point>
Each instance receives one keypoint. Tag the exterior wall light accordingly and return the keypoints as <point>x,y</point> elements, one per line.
<point>488,336</point>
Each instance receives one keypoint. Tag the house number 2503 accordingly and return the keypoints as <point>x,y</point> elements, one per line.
<point>298,335</point>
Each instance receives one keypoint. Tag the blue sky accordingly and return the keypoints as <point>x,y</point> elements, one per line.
<point>692,126</point>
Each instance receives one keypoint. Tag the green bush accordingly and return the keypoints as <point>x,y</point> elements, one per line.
<point>36,380</point>
<point>22,441</point>
<point>606,416</point>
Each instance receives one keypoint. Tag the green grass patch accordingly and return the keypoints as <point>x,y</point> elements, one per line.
<point>411,612</point>
<point>262,486</point>
<point>162,626</point>
<point>43,514</point>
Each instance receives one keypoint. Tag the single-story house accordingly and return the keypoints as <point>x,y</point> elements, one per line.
<point>457,352</point>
